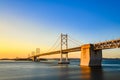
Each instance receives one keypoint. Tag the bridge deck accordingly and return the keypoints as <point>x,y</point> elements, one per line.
<point>102,45</point>
<point>58,52</point>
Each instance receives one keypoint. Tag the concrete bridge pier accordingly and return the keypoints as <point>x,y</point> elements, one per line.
<point>89,56</point>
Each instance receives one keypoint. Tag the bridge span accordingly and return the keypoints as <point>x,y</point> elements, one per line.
<point>91,54</point>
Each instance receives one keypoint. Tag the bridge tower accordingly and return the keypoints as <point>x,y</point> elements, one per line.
<point>63,45</point>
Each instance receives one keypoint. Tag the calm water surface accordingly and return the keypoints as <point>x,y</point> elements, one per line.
<point>50,70</point>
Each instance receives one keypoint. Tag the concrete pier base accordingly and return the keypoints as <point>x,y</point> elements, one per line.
<point>89,56</point>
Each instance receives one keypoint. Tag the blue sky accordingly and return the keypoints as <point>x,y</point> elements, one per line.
<point>35,21</point>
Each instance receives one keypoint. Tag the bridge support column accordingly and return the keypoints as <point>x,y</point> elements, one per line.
<point>89,56</point>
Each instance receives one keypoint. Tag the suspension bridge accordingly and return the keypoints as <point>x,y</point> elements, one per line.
<point>91,54</point>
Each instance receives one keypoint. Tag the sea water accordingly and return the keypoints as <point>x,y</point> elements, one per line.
<point>50,70</point>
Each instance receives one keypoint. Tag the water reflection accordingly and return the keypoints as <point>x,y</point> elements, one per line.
<point>91,73</point>
<point>80,73</point>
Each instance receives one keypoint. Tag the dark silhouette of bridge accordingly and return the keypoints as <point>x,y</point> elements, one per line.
<point>91,54</point>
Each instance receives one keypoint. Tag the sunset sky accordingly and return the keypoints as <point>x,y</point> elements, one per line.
<point>29,24</point>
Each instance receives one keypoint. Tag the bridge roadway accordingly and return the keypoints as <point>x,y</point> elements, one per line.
<point>58,52</point>
<point>97,46</point>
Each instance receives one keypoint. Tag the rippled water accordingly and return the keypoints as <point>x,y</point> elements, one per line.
<point>50,70</point>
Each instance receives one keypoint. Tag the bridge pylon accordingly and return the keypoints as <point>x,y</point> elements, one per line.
<point>64,45</point>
